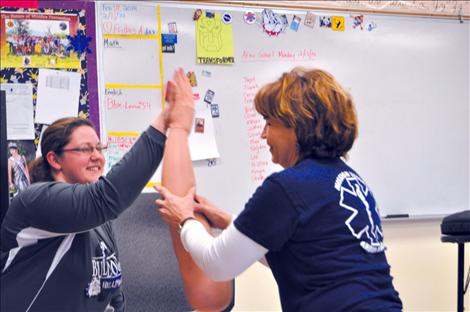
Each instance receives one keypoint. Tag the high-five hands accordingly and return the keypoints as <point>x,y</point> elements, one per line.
<point>179,112</point>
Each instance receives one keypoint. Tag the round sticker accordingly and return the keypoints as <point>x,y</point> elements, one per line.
<point>249,17</point>
<point>227,18</point>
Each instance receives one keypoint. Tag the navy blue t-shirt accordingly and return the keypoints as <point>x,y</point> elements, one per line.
<point>320,223</point>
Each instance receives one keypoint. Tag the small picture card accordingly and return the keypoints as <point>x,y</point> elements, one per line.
<point>169,39</point>
<point>310,19</point>
<point>168,48</point>
<point>197,14</point>
<point>209,96</point>
<point>325,21</point>
<point>371,26</point>
<point>285,22</point>
<point>199,125</point>
<point>172,29</point>
<point>192,78</point>
<point>215,110</point>
<point>294,25</point>
<point>337,23</point>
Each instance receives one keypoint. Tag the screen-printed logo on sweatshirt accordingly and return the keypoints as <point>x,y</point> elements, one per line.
<point>106,272</point>
<point>364,220</point>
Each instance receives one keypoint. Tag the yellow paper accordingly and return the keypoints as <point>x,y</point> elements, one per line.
<point>337,23</point>
<point>214,41</point>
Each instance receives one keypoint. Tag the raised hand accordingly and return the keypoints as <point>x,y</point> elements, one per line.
<point>179,97</point>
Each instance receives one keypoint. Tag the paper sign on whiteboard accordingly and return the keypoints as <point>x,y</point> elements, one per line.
<point>202,144</point>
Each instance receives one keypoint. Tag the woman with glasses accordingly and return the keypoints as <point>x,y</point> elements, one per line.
<point>57,243</point>
<point>58,248</point>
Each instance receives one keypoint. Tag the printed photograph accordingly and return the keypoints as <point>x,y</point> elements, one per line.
<point>20,154</point>
<point>199,125</point>
<point>38,40</point>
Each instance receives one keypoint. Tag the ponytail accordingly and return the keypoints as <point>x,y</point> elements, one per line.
<point>40,170</point>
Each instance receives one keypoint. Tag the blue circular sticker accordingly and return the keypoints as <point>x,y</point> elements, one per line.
<point>227,18</point>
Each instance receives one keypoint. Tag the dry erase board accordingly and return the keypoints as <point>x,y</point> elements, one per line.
<point>409,78</point>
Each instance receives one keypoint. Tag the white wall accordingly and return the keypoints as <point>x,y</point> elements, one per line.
<point>424,271</point>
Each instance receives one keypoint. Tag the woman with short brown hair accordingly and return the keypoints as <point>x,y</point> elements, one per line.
<point>316,222</point>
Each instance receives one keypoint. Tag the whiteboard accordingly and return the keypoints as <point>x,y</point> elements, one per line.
<point>409,78</point>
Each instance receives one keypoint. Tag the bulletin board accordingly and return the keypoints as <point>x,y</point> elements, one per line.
<point>409,77</point>
<point>31,42</point>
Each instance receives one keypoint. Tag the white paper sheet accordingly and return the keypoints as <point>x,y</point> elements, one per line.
<point>202,143</point>
<point>58,95</point>
<point>19,107</point>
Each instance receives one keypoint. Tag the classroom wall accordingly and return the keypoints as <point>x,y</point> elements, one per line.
<point>424,271</point>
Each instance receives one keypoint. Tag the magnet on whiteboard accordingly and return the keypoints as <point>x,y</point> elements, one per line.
<point>215,110</point>
<point>249,17</point>
<point>209,96</point>
<point>371,26</point>
<point>206,73</point>
<point>227,18</point>
<point>197,14</point>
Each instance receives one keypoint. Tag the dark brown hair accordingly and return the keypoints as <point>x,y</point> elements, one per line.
<point>315,105</point>
<point>54,138</point>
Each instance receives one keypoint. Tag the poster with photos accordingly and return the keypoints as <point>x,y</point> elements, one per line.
<point>38,40</point>
<point>29,75</point>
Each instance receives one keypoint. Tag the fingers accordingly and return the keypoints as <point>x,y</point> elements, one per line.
<point>160,203</point>
<point>200,208</point>
<point>170,91</point>
<point>162,191</point>
<point>200,199</point>
<point>181,79</point>
<point>167,217</point>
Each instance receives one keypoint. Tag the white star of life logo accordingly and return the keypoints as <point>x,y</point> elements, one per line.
<point>351,188</point>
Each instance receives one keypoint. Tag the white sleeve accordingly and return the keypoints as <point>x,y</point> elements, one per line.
<point>223,257</point>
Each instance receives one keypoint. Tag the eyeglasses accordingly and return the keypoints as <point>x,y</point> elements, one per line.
<point>87,149</point>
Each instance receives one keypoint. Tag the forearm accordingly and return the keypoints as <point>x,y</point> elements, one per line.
<point>177,171</point>
<point>134,170</point>
<point>203,294</point>
<point>178,177</point>
<point>220,257</point>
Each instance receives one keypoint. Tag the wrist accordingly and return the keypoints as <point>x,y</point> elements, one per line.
<point>183,222</point>
<point>179,129</point>
<point>160,124</point>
